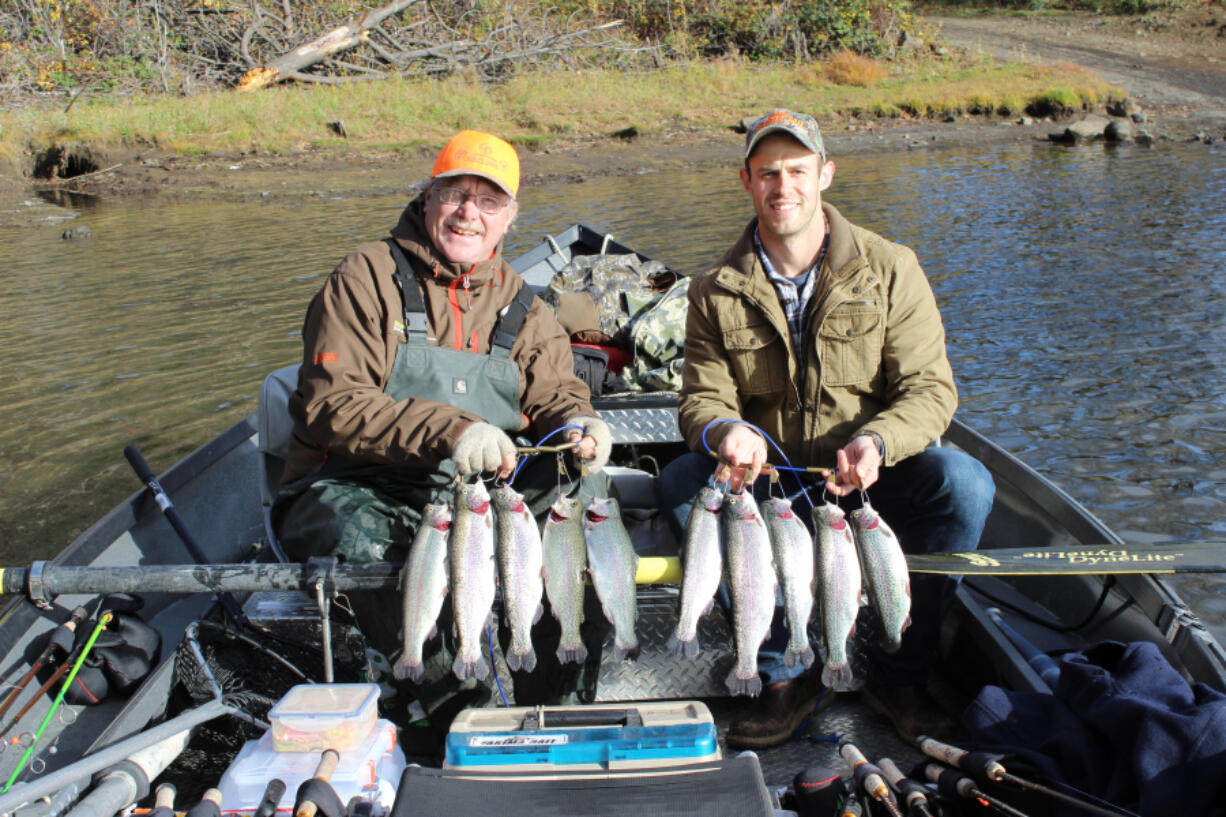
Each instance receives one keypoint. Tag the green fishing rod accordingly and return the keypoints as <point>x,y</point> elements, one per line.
<point>61,637</point>
<point>72,675</point>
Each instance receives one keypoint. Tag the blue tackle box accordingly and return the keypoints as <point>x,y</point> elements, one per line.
<point>576,738</point>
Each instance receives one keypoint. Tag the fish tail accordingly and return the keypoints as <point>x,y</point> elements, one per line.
<point>627,652</point>
<point>737,685</point>
<point>475,668</point>
<point>804,655</point>
<point>837,676</point>
<point>408,669</point>
<point>686,647</point>
<point>576,653</point>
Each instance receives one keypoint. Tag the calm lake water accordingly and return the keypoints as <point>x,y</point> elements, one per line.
<point>1082,289</point>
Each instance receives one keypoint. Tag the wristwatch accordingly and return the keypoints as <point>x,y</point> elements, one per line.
<point>877,441</point>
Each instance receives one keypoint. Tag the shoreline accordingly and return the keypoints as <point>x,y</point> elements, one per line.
<point>357,172</point>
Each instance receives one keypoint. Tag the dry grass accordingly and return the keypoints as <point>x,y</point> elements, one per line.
<point>409,114</point>
<point>850,68</point>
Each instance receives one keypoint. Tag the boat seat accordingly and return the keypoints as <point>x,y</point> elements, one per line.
<point>275,428</point>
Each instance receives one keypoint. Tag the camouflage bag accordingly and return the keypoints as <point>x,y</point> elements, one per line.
<point>618,288</point>
<point>658,339</point>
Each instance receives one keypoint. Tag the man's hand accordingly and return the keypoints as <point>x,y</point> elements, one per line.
<point>595,441</point>
<point>859,466</point>
<point>744,451</point>
<point>482,447</point>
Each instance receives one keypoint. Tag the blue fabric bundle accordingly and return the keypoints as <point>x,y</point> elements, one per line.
<point>1123,725</point>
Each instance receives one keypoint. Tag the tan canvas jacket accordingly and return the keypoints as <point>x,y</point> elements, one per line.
<point>354,326</point>
<point>874,357</point>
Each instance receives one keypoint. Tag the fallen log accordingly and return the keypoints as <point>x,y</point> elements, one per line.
<point>343,38</point>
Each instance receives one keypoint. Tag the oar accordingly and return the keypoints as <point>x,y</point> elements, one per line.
<point>145,473</point>
<point>1178,557</point>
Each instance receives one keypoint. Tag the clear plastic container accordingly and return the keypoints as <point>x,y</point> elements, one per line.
<point>314,717</point>
<point>371,770</point>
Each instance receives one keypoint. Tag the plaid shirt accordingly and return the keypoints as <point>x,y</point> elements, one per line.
<point>795,294</point>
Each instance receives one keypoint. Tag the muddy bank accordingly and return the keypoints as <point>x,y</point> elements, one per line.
<point>366,173</point>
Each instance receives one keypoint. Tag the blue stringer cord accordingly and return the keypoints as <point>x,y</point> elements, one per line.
<point>515,473</point>
<point>788,467</point>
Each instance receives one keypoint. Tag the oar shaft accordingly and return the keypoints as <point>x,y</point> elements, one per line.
<point>142,469</point>
<point>214,578</point>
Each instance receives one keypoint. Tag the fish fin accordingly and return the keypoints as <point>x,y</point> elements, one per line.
<point>402,669</point>
<point>540,611</point>
<point>807,657</point>
<point>608,614</point>
<point>744,686</point>
<point>837,677</point>
<point>433,631</point>
<point>513,661</point>
<point>528,661</point>
<point>628,652</point>
<point>687,648</point>
<point>576,654</point>
<point>789,658</point>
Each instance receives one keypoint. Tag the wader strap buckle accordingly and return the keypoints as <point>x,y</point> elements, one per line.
<point>416,326</point>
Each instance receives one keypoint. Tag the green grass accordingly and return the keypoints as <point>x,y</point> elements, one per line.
<point>533,110</point>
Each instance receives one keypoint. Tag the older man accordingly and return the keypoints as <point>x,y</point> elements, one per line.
<point>422,354</point>
<point>828,338</point>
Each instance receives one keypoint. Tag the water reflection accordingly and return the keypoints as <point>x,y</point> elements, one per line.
<point>1081,290</point>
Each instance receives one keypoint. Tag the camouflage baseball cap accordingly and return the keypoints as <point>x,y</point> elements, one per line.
<point>799,126</point>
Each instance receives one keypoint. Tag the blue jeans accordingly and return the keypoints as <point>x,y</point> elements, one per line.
<point>937,500</point>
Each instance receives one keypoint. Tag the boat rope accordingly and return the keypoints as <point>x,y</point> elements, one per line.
<point>72,675</point>
<point>501,692</point>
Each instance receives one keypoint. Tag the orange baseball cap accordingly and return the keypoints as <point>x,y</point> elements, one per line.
<point>473,153</point>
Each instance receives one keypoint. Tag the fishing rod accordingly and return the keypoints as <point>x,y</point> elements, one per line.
<point>954,784</point>
<point>61,638</point>
<point>103,620</point>
<point>989,767</point>
<point>869,778</point>
<point>914,794</point>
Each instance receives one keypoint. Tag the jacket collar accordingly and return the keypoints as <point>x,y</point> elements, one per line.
<point>742,270</point>
<point>410,233</point>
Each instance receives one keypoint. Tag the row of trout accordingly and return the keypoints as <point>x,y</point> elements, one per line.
<point>759,552</point>
<point>492,539</point>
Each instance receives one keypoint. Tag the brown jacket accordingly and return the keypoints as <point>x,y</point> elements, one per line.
<point>354,327</point>
<point>875,357</point>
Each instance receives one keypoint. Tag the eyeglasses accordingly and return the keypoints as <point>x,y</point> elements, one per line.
<point>486,203</point>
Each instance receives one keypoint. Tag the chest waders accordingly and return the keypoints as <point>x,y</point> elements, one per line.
<point>360,510</point>
<point>486,385</point>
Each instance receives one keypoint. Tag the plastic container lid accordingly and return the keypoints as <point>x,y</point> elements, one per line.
<point>314,717</point>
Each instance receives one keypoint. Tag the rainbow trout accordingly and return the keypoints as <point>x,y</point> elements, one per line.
<point>838,576</point>
<point>701,570</point>
<point>565,565</point>
<point>470,561</point>
<point>612,563</point>
<point>423,583</point>
<point>751,582</point>
<point>792,547</point>
<point>520,567</point>
<point>885,574</point>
